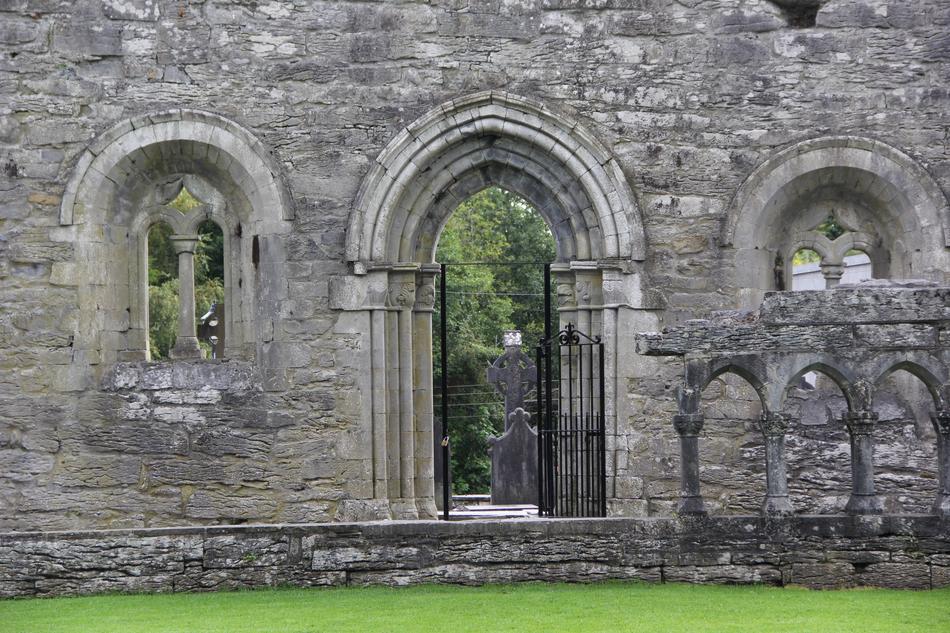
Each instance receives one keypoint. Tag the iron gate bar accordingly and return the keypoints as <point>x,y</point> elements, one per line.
<point>572,435</point>
<point>443,341</point>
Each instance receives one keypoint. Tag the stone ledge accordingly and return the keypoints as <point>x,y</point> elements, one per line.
<point>816,551</point>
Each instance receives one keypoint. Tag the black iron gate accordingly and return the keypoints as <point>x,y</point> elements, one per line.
<point>572,469</point>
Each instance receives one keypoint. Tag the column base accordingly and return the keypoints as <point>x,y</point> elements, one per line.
<point>426,509</point>
<point>941,505</point>
<point>777,506</point>
<point>404,509</point>
<point>865,504</point>
<point>185,347</point>
<point>691,505</point>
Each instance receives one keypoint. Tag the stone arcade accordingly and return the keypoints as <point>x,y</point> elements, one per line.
<point>681,152</point>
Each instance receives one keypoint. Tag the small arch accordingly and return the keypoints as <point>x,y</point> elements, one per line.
<point>494,138</point>
<point>929,378</point>
<point>841,378</point>
<point>728,367</point>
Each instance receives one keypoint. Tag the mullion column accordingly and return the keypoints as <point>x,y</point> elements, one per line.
<point>774,426</point>
<point>941,422</point>
<point>864,499</point>
<point>186,344</point>
<point>688,427</point>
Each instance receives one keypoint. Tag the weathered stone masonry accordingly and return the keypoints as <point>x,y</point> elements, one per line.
<point>820,552</point>
<point>681,151</point>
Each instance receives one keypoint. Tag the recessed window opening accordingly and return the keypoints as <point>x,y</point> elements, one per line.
<point>163,288</point>
<point>806,270</point>
<point>209,289</point>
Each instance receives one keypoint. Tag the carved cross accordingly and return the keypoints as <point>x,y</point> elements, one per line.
<point>513,375</point>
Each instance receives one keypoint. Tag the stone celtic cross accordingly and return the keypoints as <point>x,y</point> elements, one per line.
<point>513,375</point>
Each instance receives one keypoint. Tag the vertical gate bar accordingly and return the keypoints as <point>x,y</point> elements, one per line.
<point>590,444</point>
<point>443,341</point>
<point>539,424</point>
<point>603,438</point>
<point>549,423</point>
<point>570,424</point>
<point>579,445</point>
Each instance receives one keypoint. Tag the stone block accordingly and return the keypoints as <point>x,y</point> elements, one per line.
<point>87,39</point>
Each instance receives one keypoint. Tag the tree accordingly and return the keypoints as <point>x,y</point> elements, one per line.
<point>494,225</point>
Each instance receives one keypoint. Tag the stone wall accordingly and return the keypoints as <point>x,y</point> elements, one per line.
<point>692,104</point>
<point>820,552</point>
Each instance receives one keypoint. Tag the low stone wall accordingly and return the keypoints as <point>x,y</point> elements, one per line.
<point>815,551</point>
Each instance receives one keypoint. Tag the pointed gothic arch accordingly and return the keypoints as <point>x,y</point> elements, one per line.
<point>413,186</point>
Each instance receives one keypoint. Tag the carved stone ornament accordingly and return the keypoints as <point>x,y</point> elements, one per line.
<point>688,424</point>
<point>860,422</point>
<point>583,291</point>
<point>774,424</point>
<point>565,295</point>
<point>425,296</point>
<point>401,295</point>
<point>941,422</point>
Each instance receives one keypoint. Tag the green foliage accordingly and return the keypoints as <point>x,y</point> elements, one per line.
<point>162,259</point>
<point>163,291</point>
<point>483,301</point>
<point>831,228</point>
<point>805,256</point>
<point>184,201</point>
<point>162,318</point>
<point>615,607</point>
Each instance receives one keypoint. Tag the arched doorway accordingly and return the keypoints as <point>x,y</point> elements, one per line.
<point>458,149</point>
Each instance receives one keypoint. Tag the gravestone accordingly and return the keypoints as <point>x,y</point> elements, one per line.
<point>514,462</point>
<point>513,374</point>
<point>514,455</point>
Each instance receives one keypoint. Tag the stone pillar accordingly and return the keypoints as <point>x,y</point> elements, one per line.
<point>402,297</point>
<point>774,427</point>
<point>186,345</point>
<point>422,399</point>
<point>688,426</point>
<point>863,499</point>
<point>941,421</point>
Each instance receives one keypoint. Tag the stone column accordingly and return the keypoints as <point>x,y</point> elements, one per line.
<point>422,404</point>
<point>774,427</point>
<point>402,297</point>
<point>688,426</point>
<point>941,421</point>
<point>186,345</point>
<point>863,499</point>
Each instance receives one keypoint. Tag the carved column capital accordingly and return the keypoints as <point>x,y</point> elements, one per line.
<point>401,295</point>
<point>425,294</point>
<point>184,243</point>
<point>688,424</point>
<point>860,423</point>
<point>774,424</point>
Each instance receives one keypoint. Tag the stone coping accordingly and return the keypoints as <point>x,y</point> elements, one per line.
<point>715,527</point>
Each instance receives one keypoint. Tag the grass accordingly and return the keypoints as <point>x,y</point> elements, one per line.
<point>615,607</point>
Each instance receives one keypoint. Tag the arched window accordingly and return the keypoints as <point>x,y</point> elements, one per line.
<point>182,168</point>
<point>836,195</point>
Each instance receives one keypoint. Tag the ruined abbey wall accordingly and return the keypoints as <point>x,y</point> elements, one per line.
<point>675,145</point>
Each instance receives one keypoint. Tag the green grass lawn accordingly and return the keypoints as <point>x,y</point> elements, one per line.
<point>614,607</point>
